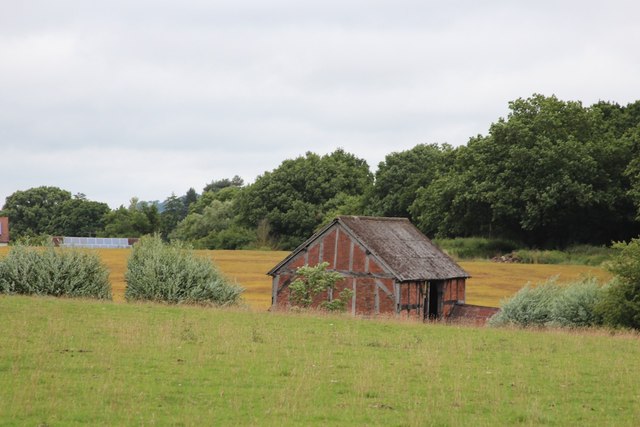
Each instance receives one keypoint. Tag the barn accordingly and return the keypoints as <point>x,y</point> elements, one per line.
<point>4,230</point>
<point>391,267</point>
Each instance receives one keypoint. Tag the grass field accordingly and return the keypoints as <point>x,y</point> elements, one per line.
<point>490,282</point>
<point>79,362</point>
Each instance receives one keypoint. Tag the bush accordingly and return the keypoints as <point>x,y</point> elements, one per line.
<point>578,255</point>
<point>173,273</point>
<point>530,306</point>
<point>311,281</point>
<point>620,305</point>
<point>56,272</point>
<point>475,247</point>
<point>575,305</point>
<point>549,304</point>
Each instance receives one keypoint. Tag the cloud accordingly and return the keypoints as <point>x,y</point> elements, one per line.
<point>146,98</point>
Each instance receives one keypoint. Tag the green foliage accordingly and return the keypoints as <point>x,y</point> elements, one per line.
<point>139,219</point>
<point>549,304</point>
<point>32,211</point>
<point>475,247</point>
<point>340,303</point>
<point>575,305</point>
<point>56,272</point>
<point>79,217</point>
<point>402,174</point>
<point>530,306</point>
<point>225,183</point>
<point>296,196</point>
<point>578,255</point>
<point>550,175</point>
<point>213,227</point>
<point>172,273</point>
<point>621,304</point>
<point>311,281</point>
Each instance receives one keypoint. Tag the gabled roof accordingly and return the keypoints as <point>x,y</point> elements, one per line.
<point>398,245</point>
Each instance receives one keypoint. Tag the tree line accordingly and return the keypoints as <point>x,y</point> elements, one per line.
<point>551,174</point>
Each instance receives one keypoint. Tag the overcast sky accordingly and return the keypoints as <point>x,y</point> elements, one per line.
<point>143,98</point>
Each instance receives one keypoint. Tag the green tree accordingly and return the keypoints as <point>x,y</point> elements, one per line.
<point>139,219</point>
<point>621,304</point>
<point>402,174</point>
<point>33,211</point>
<point>311,281</point>
<point>215,186</point>
<point>171,215</point>
<point>551,174</point>
<point>79,217</point>
<point>295,197</point>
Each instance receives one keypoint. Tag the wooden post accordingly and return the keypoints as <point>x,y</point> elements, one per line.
<point>353,297</point>
<point>335,250</point>
<point>274,290</point>
<point>396,293</point>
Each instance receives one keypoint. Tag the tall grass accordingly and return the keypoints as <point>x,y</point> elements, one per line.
<point>577,255</point>
<point>475,247</point>
<point>56,272</point>
<point>173,273</point>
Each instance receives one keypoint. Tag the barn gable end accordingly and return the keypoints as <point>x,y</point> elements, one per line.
<point>389,265</point>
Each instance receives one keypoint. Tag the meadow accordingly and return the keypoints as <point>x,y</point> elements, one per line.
<point>489,284</point>
<point>82,362</point>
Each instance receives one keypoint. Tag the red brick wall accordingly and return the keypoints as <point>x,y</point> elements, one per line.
<point>4,225</point>
<point>349,258</point>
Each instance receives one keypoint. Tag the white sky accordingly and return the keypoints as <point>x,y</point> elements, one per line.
<point>143,98</point>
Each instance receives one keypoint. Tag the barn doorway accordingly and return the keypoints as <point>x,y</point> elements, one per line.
<point>433,300</point>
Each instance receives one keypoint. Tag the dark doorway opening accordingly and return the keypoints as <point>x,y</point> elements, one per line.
<point>435,295</point>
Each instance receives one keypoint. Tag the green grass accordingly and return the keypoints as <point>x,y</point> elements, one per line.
<point>79,362</point>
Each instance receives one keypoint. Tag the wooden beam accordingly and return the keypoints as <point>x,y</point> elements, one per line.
<point>353,297</point>
<point>274,290</point>
<point>351,249</point>
<point>335,249</point>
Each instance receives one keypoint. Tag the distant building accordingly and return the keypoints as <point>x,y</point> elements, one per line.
<point>4,230</point>
<point>391,267</point>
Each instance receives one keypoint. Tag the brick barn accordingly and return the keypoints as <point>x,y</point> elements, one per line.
<point>391,267</point>
<point>4,230</point>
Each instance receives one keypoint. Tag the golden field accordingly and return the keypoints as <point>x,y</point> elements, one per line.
<point>490,282</point>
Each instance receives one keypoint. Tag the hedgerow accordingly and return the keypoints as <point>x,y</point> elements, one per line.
<point>57,272</point>
<point>173,273</point>
<point>549,304</point>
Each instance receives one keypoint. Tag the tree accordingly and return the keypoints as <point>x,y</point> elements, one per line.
<point>402,174</point>
<point>311,281</point>
<point>551,174</point>
<point>620,306</point>
<point>33,211</point>
<point>189,199</point>
<point>171,215</point>
<point>215,186</point>
<point>139,219</point>
<point>213,228</point>
<point>79,217</point>
<point>295,197</point>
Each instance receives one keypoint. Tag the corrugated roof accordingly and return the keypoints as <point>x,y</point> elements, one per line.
<point>408,253</point>
<point>403,248</point>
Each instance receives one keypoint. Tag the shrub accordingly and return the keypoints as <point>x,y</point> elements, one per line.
<point>530,306</point>
<point>620,305</point>
<point>57,272</point>
<point>549,304</point>
<point>313,280</point>
<point>475,247</point>
<point>575,305</point>
<point>173,273</point>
